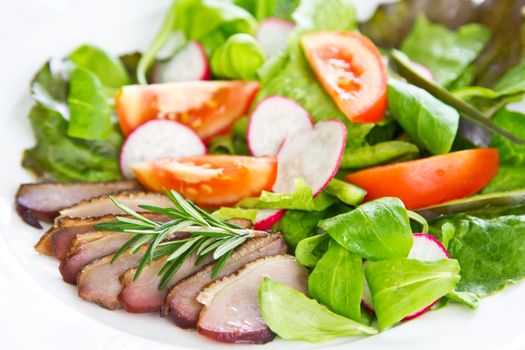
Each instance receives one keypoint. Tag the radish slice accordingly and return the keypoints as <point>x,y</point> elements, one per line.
<point>424,248</point>
<point>313,155</point>
<point>274,119</point>
<point>272,34</point>
<point>159,139</point>
<point>191,63</point>
<point>266,218</point>
<point>427,248</point>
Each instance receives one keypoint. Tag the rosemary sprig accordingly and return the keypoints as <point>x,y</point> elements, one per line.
<point>207,236</point>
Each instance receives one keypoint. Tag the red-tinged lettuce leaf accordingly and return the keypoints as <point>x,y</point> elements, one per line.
<point>392,22</point>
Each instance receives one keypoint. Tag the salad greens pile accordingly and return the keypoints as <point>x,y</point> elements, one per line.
<point>73,118</point>
<point>450,88</point>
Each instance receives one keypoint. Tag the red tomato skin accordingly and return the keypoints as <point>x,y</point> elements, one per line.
<point>208,107</point>
<point>210,180</point>
<point>430,181</point>
<point>351,70</point>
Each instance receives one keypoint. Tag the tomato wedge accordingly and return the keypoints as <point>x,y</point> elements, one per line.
<point>208,107</point>
<point>210,180</point>
<point>352,72</point>
<point>424,182</point>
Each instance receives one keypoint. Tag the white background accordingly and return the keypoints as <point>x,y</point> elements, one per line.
<point>38,310</point>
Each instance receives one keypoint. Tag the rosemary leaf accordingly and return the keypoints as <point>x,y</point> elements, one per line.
<point>221,263</point>
<point>229,245</point>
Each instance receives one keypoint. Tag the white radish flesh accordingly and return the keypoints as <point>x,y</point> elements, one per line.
<point>159,139</point>
<point>266,218</point>
<point>275,119</point>
<point>312,155</point>
<point>190,63</point>
<point>273,34</point>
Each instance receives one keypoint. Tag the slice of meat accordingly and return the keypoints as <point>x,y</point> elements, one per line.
<point>180,303</point>
<point>144,294</point>
<point>88,247</point>
<point>231,306</point>
<point>99,281</point>
<point>43,201</point>
<point>104,206</point>
<point>57,240</point>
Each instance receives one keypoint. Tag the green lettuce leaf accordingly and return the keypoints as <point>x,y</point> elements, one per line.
<point>50,86</point>
<point>376,230</point>
<point>337,282</point>
<point>62,158</point>
<point>238,58</point>
<point>89,110</point>
<point>491,252</point>
<point>296,225</point>
<point>310,250</point>
<point>446,53</point>
<point>292,315</point>
<point>300,199</point>
<point>109,70</point>
<point>430,122</point>
<point>401,286</point>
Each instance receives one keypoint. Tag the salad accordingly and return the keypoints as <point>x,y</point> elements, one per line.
<point>275,168</point>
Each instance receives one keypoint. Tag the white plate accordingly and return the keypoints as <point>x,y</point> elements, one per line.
<point>38,310</point>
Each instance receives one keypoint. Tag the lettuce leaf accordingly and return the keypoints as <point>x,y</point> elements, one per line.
<point>446,53</point>
<point>301,199</point>
<point>491,252</point>
<point>59,157</point>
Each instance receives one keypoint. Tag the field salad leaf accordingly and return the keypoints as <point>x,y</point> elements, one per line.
<point>296,225</point>
<point>381,153</point>
<point>430,122</point>
<point>300,199</point>
<point>292,315</point>
<point>376,230</point>
<point>468,299</point>
<point>446,53</point>
<point>238,58</point>
<point>401,286</point>
<point>491,252</point>
<point>310,250</point>
<point>60,157</point>
<point>109,70</point>
<point>337,282</point>
<point>89,110</point>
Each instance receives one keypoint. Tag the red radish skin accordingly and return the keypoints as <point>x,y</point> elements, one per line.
<point>272,34</point>
<point>266,218</point>
<point>426,248</point>
<point>275,119</point>
<point>191,63</point>
<point>325,143</point>
<point>159,139</point>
